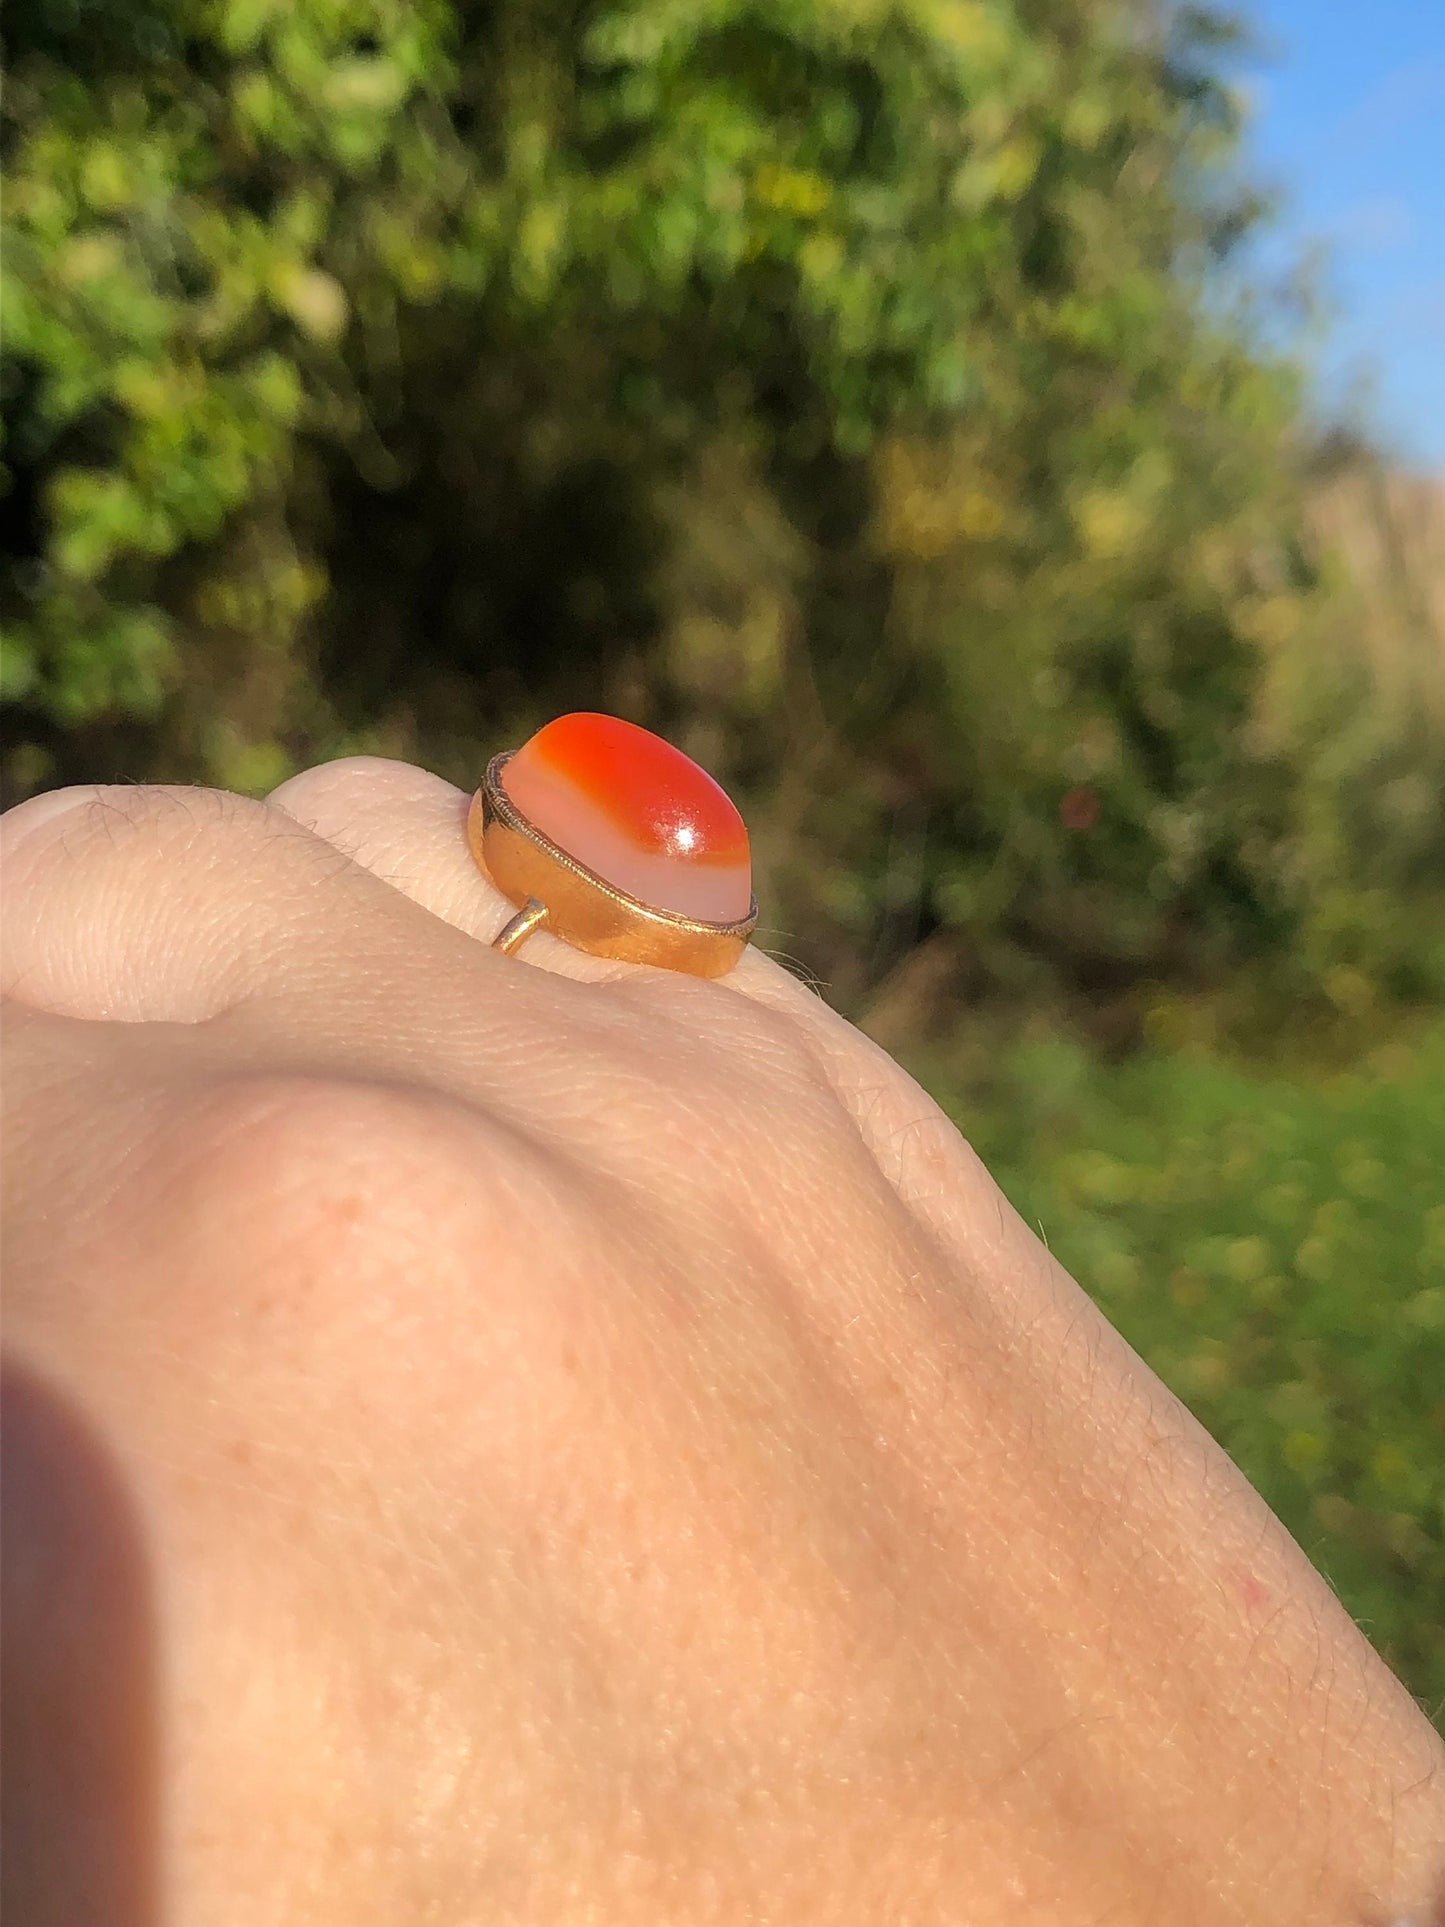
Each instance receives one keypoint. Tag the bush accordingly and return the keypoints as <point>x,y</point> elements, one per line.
<point>1276,1250</point>
<point>851,391</point>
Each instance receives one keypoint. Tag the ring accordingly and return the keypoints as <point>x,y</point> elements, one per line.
<point>617,843</point>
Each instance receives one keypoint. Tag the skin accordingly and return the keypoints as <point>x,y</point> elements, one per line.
<point>528,1439</point>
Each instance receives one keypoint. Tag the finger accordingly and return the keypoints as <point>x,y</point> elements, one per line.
<point>170,904</point>
<point>408,827</point>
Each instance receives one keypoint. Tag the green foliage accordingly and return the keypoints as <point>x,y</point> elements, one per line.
<point>1276,1251</point>
<point>850,387</point>
<point>211,251</point>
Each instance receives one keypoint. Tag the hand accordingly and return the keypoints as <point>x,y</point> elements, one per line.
<point>527,1439</point>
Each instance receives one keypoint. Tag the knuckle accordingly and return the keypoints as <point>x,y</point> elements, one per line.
<point>735,1080</point>
<point>121,821</point>
<point>924,1144</point>
<point>740,1044</point>
<point>334,1203</point>
<point>141,903</point>
<point>328,787</point>
<point>336,1269</point>
<point>160,812</point>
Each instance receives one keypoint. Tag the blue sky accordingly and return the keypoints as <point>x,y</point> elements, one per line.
<point>1349,127</point>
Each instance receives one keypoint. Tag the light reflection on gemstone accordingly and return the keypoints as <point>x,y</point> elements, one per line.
<point>638,812</point>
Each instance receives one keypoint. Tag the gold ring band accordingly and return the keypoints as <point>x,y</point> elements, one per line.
<point>552,889</point>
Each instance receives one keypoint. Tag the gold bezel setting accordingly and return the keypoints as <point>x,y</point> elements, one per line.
<point>553,891</point>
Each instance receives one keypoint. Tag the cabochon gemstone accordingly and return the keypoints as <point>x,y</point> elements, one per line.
<point>638,812</point>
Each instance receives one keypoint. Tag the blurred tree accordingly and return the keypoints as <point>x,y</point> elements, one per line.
<point>848,387</point>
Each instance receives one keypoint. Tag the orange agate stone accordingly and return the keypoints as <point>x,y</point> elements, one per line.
<point>636,811</point>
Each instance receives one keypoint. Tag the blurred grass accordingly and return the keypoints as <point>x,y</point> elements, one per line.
<point>1274,1245</point>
